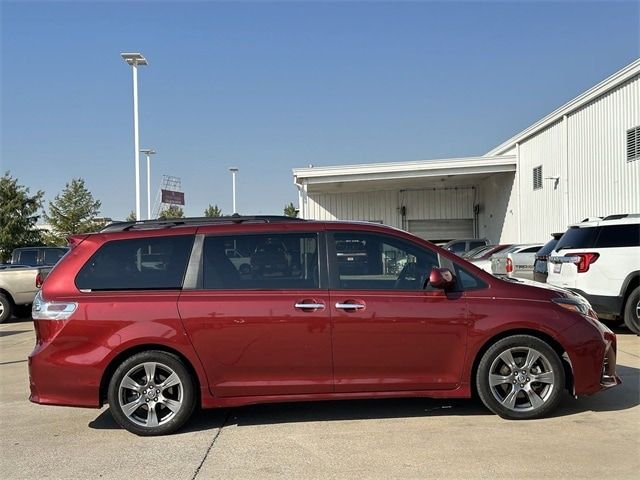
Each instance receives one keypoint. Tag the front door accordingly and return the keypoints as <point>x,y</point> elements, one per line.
<point>390,333</point>
<point>260,321</point>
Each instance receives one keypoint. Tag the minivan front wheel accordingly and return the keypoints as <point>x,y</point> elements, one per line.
<point>151,393</point>
<point>520,377</point>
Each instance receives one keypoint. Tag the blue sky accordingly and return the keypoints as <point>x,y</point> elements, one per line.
<point>271,86</point>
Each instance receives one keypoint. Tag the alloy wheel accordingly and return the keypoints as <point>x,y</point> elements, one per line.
<point>521,379</point>
<point>150,394</point>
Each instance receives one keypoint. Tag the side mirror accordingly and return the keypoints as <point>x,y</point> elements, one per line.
<point>442,278</point>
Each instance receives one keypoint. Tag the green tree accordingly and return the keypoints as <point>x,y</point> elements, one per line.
<point>290,210</point>
<point>212,211</point>
<point>18,216</point>
<point>131,217</point>
<point>73,211</point>
<point>172,212</point>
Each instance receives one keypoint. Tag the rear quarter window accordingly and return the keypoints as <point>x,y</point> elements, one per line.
<point>619,236</point>
<point>154,263</point>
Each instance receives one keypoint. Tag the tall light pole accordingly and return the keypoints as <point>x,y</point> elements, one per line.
<point>148,152</point>
<point>233,171</point>
<point>135,59</point>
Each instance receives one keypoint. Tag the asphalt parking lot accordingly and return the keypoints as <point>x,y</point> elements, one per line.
<point>592,437</point>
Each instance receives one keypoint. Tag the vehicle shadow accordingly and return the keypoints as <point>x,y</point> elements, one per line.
<point>322,411</point>
<point>622,397</point>
<point>18,320</point>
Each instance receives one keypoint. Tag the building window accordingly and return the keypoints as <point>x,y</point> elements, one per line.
<point>633,144</point>
<point>537,177</point>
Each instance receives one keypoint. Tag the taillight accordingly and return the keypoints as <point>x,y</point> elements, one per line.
<point>39,280</point>
<point>43,310</point>
<point>509,265</point>
<point>50,317</point>
<point>584,260</point>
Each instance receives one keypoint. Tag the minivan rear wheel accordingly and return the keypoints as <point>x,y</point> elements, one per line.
<point>151,393</point>
<point>520,377</point>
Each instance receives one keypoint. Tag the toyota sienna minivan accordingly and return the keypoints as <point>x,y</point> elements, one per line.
<point>155,319</point>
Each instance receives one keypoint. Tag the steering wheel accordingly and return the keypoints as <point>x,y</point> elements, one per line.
<point>410,270</point>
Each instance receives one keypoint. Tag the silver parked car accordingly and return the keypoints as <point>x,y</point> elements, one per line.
<point>516,261</point>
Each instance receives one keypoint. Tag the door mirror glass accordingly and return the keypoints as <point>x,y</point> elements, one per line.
<point>441,278</point>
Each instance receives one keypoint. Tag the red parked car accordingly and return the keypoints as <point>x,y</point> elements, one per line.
<point>154,318</point>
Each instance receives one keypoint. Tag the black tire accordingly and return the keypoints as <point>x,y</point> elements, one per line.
<point>631,308</point>
<point>6,308</point>
<point>22,311</point>
<point>181,394</point>
<point>516,393</point>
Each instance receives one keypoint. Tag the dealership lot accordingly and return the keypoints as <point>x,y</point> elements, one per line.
<point>593,437</point>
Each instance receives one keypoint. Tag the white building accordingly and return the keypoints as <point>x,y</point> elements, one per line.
<point>582,160</point>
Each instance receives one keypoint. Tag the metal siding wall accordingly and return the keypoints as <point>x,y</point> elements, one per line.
<point>541,209</point>
<point>601,181</point>
<point>384,205</point>
<point>371,206</point>
<point>439,203</point>
<point>498,217</point>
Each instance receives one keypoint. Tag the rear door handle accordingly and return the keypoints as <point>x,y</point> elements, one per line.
<point>310,306</point>
<point>349,306</point>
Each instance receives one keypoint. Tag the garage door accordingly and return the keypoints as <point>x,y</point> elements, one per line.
<point>442,230</point>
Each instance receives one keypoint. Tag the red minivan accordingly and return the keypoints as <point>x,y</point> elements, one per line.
<point>156,317</point>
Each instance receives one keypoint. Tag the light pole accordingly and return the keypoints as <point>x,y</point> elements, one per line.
<point>135,59</point>
<point>233,171</point>
<point>148,152</point>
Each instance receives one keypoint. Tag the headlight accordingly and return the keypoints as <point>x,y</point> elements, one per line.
<point>575,305</point>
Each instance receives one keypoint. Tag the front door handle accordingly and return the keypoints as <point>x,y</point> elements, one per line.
<point>349,306</point>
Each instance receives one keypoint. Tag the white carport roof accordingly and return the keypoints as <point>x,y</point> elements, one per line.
<point>402,175</point>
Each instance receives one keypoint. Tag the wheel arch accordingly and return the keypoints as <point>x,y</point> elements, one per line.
<point>630,283</point>
<point>120,357</point>
<point>8,295</point>
<point>552,342</point>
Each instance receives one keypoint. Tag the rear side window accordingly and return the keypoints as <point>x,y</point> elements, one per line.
<point>476,244</point>
<point>530,250</point>
<point>27,257</point>
<point>262,262</point>
<point>577,237</point>
<point>52,255</point>
<point>154,263</point>
<point>619,236</point>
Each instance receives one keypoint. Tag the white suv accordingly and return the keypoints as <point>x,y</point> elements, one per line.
<point>600,259</point>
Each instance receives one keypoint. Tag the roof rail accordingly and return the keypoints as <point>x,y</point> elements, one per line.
<point>621,215</point>
<point>194,221</point>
